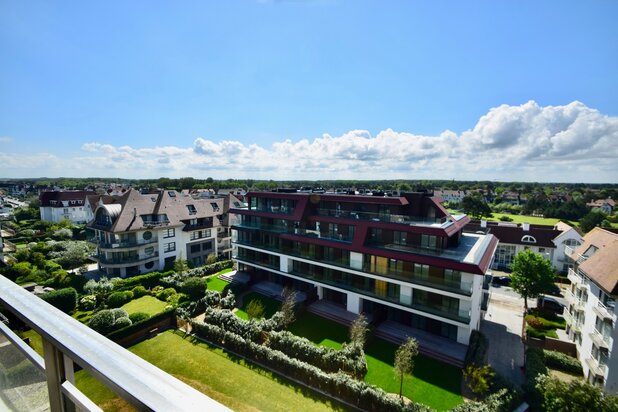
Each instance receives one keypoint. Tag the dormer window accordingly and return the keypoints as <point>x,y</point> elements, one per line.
<point>192,209</point>
<point>215,207</point>
<point>528,239</point>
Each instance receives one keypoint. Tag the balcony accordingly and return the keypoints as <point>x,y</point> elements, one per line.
<point>385,218</point>
<point>599,340</point>
<point>604,312</point>
<point>67,342</point>
<point>573,255</point>
<point>102,244</point>
<point>577,303</point>
<point>9,247</point>
<point>598,369</point>
<point>124,260</point>
<point>575,278</point>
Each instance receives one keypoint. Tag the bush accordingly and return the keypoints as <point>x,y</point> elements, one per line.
<point>149,280</point>
<point>194,287</point>
<point>88,302</point>
<point>477,349</point>
<point>165,294</point>
<point>563,362</point>
<point>576,395</point>
<point>535,366</point>
<point>107,320</point>
<point>501,401</point>
<point>63,299</point>
<point>138,325</point>
<point>138,317</point>
<point>117,299</point>
<point>122,323</point>
<point>139,291</point>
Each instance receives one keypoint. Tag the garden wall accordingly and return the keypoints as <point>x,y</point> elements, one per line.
<point>568,348</point>
<point>132,334</point>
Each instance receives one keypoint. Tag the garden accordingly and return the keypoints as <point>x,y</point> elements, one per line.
<point>543,323</point>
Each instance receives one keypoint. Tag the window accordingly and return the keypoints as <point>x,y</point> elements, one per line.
<point>169,247</point>
<point>422,271</point>
<point>572,242</point>
<point>192,209</point>
<point>541,250</point>
<point>428,241</point>
<point>528,239</point>
<point>215,207</point>
<point>147,235</point>
<point>149,251</point>
<point>195,248</point>
<point>171,194</point>
<point>149,265</point>
<point>171,232</point>
<point>400,238</point>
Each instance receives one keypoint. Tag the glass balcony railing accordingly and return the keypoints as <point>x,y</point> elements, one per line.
<point>121,260</point>
<point>48,383</point>
<point>381,217</point>
<point>103,244</point>
<point>438,310</point>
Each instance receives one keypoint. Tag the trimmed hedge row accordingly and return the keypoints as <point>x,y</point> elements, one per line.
<point>501,401</point>
<point>149,280</point>
<point>350,359</point>
<point>63,299</point>
<point>355,392</point>
<point>143,324</point>
<point>563,362</point>
<point>477,349</point>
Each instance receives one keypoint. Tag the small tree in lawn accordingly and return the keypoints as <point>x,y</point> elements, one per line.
<point>532,275</point>
<point>478,378</point>
<point>212,258</point>
<point>404,360</point>
<point>287,307</point>
<point>358,331</point>
<point>255,309</point>
<point>181,265</point>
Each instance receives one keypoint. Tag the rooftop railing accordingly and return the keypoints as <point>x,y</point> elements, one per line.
<point>66,342</point>
<point>383,217</point>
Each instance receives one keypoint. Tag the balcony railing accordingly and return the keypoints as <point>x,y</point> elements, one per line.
<point>599,340</point>
<point>66,342</point>
<point>122,245</point>
<point>597,368</point>
<point>381,217</point>
<point>124,259</point>
<point>603,311</point>
<point>9,247</point>
<point>573,255</point>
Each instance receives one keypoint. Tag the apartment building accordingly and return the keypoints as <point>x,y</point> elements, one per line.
<point>401,259</point>
<point>70,205</point>
<point>591,314</point>
<point>548,241</point>
<point>138,233</point>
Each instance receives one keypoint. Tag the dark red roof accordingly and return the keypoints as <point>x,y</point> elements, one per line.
<point>513,233</point>
<point>48,199</point>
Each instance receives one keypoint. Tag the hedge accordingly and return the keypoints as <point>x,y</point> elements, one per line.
<point>117,299</point>
<point>63,299</point>
<point>143,324</point>
<point>477,349</point>
<point>149,280</point>
<point>501,401</point>
<point>563,362</point>
<point>535,366</point>
<point>349,359</point>
<point>340,385</point>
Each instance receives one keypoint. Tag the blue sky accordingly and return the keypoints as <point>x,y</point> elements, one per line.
<point>134,89</point>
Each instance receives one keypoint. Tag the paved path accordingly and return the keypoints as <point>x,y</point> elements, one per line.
<point>502,327</point>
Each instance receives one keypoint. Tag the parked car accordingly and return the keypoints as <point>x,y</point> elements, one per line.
<point>501,281</point>
<point>554,290</point>
<point>549,303</point>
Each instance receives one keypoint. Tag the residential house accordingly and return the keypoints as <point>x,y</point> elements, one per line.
<point>56,206</point>
<point>138,233</point>
<point>605,205</point>
<point>549,241</point>
<point>403,261</point>
<point>591,315</point>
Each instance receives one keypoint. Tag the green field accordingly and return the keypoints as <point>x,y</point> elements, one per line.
<point>225,378</point>
<point>145,304</point>
<point>533,220</point>
<point>270,305</point>
<point>433,383</point>
<point>216,284</point>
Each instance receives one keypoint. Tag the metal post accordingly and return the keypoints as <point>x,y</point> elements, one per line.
<point>58,368</point>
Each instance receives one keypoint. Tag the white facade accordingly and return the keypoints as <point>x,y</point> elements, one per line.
<point>591,324</point>
<point>469,303</point>
<point>74,213</point>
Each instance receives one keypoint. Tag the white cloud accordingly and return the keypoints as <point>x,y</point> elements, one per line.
<point>525,142</point>
<point>6,139</point>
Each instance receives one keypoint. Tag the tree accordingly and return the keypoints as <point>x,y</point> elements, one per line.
<point>255,309</point>
<point>287,307</point>
<point>532,275</point>
<point>475,206</point>
<point>478,378</point>
<point>194,287</point>
<point>63,299</point>
<point>574,396</point>
<point>181,265</point>
<point>358,331</point>
<point>404,360</point>
<point>593,219</point>
<point>212,258</point>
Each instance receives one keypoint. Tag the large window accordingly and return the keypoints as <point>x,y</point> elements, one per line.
<point>399,238</point>
<point>170,232</point>
<point>169,247</point>
<point>428,241</point>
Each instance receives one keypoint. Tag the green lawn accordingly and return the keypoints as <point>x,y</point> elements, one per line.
<point>217,284</point>
<point>82,315</point>
<point>434,383</point>
<point>270,305</point>
<point>227,379</point>
<point>533,220</point>
<point>146,304</point>
<point>36,342</point>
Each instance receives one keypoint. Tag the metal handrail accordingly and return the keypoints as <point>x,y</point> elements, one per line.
<point>139,382</point>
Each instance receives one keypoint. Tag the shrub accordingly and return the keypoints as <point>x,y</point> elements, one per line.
<point>194,287</point>
<point>107,320</point>
<point>138,317</point>
<point>88,302</point>
<point>122,323</point>
<point>477,349</point>
<point>165,294</point>
<point>576,395</point>
<point>139,291</point>
<point>149,280</point>
<point>535,366</point>
<point>505,219</point>
<point>117,299</point>
<point>63,299</point>
<point>501,401</point>
<point>255,309</point>
<point>563,362</point>
<point>138,325</point>
<point>535,322</point>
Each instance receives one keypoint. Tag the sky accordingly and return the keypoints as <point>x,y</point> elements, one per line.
<point>316,89</point>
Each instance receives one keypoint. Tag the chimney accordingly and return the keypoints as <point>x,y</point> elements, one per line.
<point>525,226</point>
<point>483,223</point>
